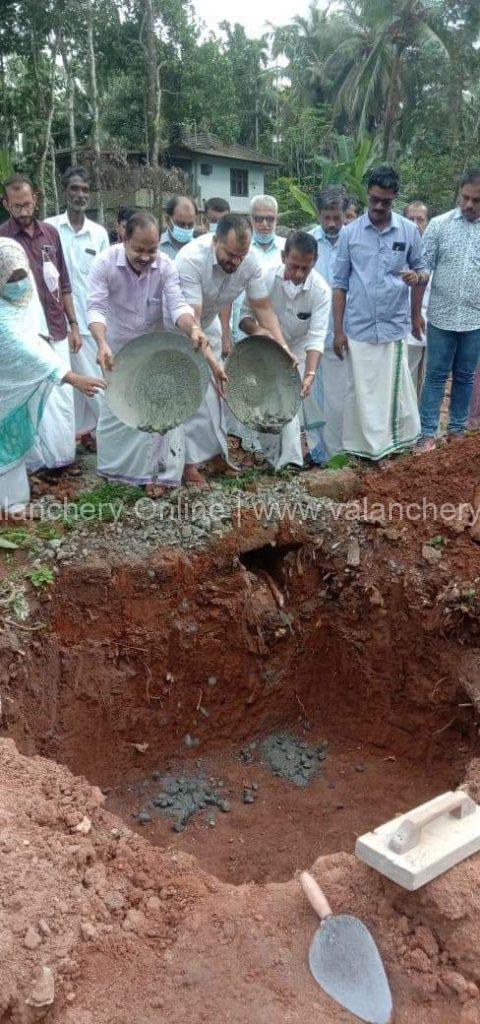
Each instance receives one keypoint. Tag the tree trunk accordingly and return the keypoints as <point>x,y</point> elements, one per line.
<point>154,93</point>
<point>72,131</point>
<point>45,146</point>
<point>95,113</point>
<point>54,175</point>
<point>391,112</point>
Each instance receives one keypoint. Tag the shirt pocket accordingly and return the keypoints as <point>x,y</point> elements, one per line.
<point>396,261</point>
<point>85,260</point>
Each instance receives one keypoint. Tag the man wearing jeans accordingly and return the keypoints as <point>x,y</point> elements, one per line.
<point>452,244</point>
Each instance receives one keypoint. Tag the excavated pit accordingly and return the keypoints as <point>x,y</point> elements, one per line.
<point>179,668</point>
<point>346,644</point>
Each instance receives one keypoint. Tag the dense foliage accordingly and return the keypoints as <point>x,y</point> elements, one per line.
<point>353,81</point>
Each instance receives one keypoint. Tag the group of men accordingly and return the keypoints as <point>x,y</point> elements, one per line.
<point>377,310</point>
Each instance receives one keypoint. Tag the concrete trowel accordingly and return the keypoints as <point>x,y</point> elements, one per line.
<point>345,961</point>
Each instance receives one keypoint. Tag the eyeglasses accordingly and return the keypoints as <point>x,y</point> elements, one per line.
<point>378,201</point>
<point>19,207</point>
<point>260,220</point>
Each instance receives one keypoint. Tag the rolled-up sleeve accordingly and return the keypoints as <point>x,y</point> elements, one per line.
<point>416,256</point>
<point>320,319</point>
<point>342,265</point>
<point>255,285</point>
<point>98,290</point>
<point>174,297</point>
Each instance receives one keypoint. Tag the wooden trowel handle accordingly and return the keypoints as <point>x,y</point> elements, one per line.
<point>315,896</point>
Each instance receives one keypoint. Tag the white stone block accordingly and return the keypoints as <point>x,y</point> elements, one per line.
<point>416,847</point>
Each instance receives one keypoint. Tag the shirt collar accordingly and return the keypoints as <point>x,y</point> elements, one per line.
<point>213,252</point>
<point>307,284</point>
<point>395,221</point>
<point>18,229</point>
<point>321,237</point>
<point>458,215</point>
<point>65,219</point>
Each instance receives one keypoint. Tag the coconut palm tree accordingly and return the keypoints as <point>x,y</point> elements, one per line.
<point>371,67</point>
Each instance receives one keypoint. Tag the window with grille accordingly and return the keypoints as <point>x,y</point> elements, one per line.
<point>238,182</point>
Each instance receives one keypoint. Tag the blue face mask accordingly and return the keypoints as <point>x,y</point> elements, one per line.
<point>181,235</point>
<point>212,229</point>
<point>263,239</point>
<point>14,291</point>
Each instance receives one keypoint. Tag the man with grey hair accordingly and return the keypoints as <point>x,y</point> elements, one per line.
<point>265,243</point>
<point>329,387</point>
<point>264,216</point>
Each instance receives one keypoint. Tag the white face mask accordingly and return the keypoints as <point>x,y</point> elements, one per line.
<point>51,276</point>
<point>292,289</point>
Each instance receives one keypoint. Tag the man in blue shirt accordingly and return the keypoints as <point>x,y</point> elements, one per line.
<point>380,257</point>
<point>329,387</point>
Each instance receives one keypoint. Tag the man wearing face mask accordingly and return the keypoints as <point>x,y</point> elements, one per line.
<point>301,299</point>
<point>55,445</point>
<point>214,209</point>
<point>329,386</point>
<point>82,239</point>
<point>180,215</point>
<point>134,290</point>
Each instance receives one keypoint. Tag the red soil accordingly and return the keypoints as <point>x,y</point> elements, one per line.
<point>373,657</point>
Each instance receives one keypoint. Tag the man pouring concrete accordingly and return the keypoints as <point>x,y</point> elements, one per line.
<point>213,271</point>
<point>301,299</point>
<point>134,290</point>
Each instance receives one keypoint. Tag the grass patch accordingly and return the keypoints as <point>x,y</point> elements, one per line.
<point>437,542</point>
<point>41,578</point>
<point>340,461</point>
<point>105,503</point>
<point>242,481</point>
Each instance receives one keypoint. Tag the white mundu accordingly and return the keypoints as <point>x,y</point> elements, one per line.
<point>303,313</point>
<point>207,287</point>
<point>80,249</point>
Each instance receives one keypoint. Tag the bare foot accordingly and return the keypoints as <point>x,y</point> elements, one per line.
<point>219,467</point>
<point>193,478</point>
<point>88,441</point>
<point>154,491</point>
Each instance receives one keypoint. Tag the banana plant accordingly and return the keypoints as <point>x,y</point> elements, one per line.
<point>6,165</point>
<point>348,169</point>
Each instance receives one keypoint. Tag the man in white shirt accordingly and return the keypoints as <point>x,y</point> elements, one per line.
<point>301,299</point>
<point>82,240</point>
<point>214,270</point>
<point>417,212</point>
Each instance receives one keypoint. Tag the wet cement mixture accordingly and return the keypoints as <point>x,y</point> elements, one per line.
<point>276,688</point>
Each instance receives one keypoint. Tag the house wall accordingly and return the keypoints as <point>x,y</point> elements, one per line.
<point>218,182</point>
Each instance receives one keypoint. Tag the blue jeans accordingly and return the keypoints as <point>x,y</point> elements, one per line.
<point>455,352</point>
